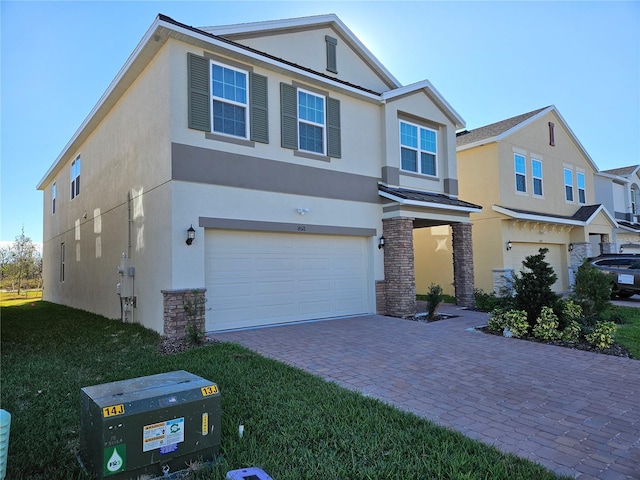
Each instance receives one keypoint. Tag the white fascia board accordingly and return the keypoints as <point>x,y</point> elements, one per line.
<point>616,178</point>
<point>155,29</point>
<point>132,58</point>
<point>629,229</point>
<point>537,218</point>
<point>610,217</point>
<point>417,203</point>
<point>289,23</point>
<point>426,84</point>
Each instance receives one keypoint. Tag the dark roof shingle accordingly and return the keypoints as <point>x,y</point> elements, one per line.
<point>622,171</point>
<point>426,197</point>
<point>489,131</point>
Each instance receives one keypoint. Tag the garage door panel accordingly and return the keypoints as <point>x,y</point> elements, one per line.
<point>258,278</point>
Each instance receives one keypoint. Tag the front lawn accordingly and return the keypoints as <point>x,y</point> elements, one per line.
<point>297,426</point>
<point>627,334</point>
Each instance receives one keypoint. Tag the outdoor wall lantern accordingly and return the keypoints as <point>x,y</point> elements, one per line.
<point>381,242</point>
<point>509,245</point>
<point>571,247</point>
<point>621,248</point>
<point>191,234</point>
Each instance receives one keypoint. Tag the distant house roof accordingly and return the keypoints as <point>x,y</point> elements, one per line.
<point>493,130</point>
<point>426,199</point>
<point>633,227</point>
<point>498,131</point>
<point>583,216</point>
<point>623,171</point>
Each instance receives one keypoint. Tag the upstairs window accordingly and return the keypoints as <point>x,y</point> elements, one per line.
<point>582,194</point>
<point>311,122</point>
<point>520,167</point>
<point>418,149</point>
<point>75,178</point>
<point>54,194</point>
<point>568,185</point>
<point>229,97</point>
<point>536,174</point>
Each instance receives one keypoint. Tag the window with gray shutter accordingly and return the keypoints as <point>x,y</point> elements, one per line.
<point>332,62</point>
<point>258,108</point>
<point>199,109</point>
<point>333,128</point>
<point>289,116</point>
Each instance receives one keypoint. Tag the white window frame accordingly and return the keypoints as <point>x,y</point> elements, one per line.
<point>564,181</point>
<point>582,190</point>
<point>516,173</point>
<point>54,196</point>
<point>230,102</point>
<point>534,178</point>
<point>419,151</point>
<point>76,169</point>
<point>323,125</point>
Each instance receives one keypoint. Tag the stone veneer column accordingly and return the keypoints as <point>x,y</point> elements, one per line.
<point>175,317</point>
<point>581,250</point>
<point>381,297</point>
<point>463,278</point>
<point>399,271</point>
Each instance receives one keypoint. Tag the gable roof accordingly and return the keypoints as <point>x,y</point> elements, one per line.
<point>492,132</point>
<point>623,171</point>
<point>165,27</point>
<point>498,131</point>
<point>242,29</point>
<point>582,217</point>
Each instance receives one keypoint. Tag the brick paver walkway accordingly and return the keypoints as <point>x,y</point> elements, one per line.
<point>577,413</point>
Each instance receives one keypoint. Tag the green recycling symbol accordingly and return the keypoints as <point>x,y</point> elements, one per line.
<point>175,428</point>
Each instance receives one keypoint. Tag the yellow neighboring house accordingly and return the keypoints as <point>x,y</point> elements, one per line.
<point>535,183</point>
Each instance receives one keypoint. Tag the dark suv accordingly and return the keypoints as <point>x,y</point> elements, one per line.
<point>624,271</point>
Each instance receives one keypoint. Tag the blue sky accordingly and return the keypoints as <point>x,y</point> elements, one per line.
<point>490,60</point>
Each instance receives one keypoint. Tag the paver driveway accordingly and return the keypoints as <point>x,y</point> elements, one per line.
<point>577,413</point>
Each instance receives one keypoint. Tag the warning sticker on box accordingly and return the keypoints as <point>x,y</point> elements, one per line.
<point>160,434</point>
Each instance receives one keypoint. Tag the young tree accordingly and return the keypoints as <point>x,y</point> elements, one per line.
<point>22,254</point>
<point>533,286</point>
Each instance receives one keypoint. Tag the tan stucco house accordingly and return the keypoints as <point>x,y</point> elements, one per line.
<point>535,183</point>
<point>276,167</point>
<point>618,189</point>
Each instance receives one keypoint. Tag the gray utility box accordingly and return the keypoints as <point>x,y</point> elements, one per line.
<point>151,426</point>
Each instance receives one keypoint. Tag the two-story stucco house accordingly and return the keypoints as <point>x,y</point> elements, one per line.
<point>277,166</point>
<point>535,183</point>
<point>618,190</point>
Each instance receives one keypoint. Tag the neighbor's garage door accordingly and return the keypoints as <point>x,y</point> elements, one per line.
<point>258,278</point>
<point>554,257</point>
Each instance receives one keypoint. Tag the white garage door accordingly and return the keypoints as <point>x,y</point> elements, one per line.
<point>553,257</point>
<point>258,278</point>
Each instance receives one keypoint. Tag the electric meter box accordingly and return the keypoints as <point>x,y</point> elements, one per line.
<point>153,426</point>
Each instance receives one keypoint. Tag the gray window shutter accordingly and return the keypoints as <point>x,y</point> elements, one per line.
<point>258,108</point>
<point>199,111</point>
<point>289,116</point>
<point>333,128</point>
<point>332,63</point>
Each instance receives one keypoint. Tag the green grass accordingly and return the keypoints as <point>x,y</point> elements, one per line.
<point>628,334</point>
<point>8,299</point>
<point>297,426</point>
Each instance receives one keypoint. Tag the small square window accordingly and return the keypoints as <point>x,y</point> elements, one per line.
<point>418,142</point>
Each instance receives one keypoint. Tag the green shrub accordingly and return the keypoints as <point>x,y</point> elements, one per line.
<point>602,335</point>
<point>514,320</point>
<point>591,289</point>
<point>533,286</point>
<point>546,327</point>
<point>194,311</point>
<point>488,302</point>
<point>571,332</point>
<point>434,299</point>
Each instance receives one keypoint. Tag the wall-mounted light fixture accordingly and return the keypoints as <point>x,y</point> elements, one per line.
<point>381,242</point>
<point>571,247</point>
<point>191,234</point>
<point>302,211</point>
<point>621,248</point>
<point>509,245</point>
